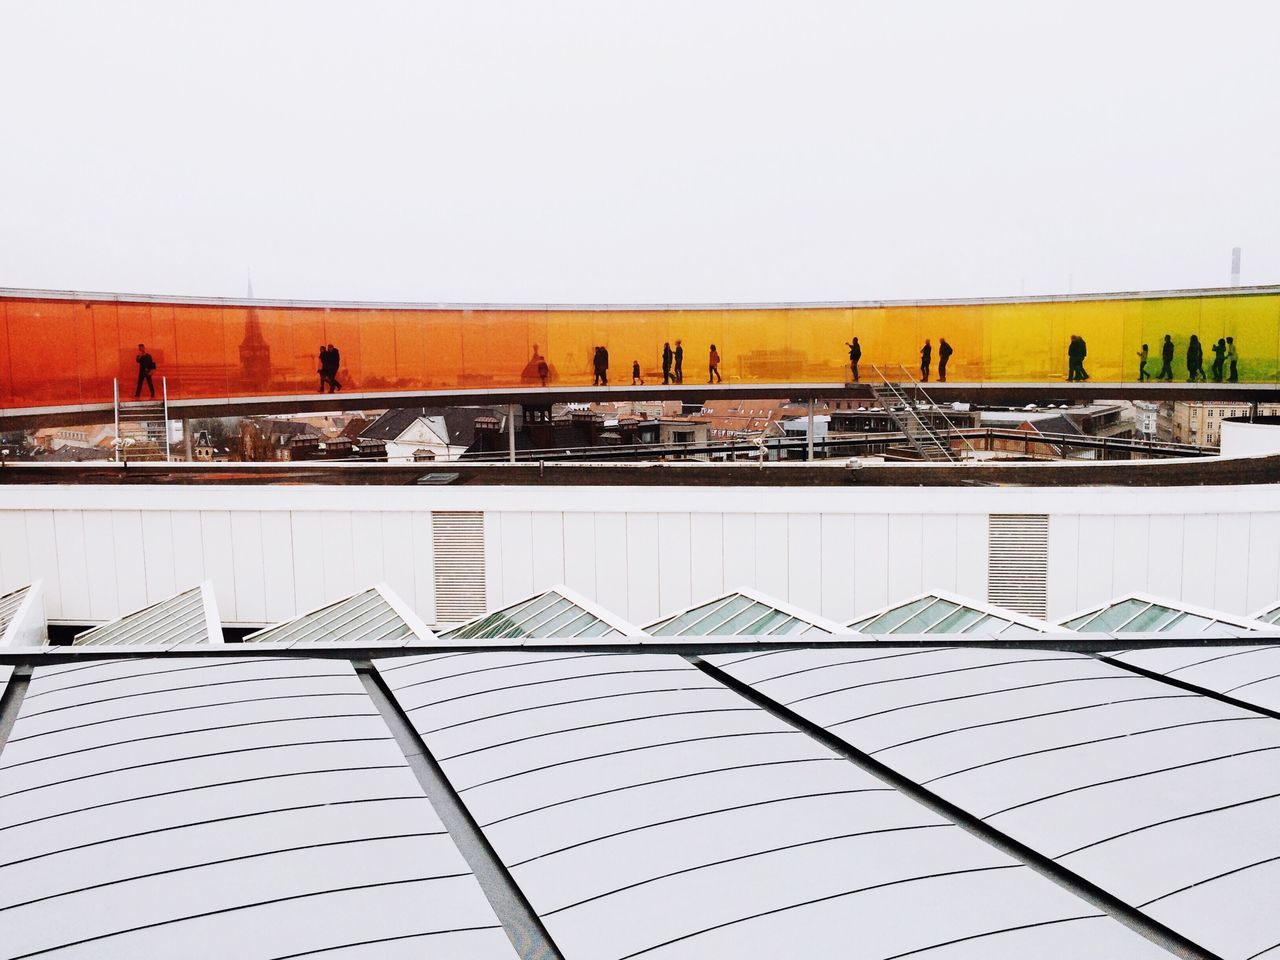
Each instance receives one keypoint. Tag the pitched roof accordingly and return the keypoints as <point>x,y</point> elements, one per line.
<point>742,613</point>
<point>1143,613</point>
<point>937,612</point>
<point>372,616</point>
<point>189,617</point>
<point>558,612</point>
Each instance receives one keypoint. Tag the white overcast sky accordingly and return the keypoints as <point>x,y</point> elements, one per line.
<point>637,150</point>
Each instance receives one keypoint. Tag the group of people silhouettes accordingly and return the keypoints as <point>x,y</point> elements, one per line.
<point>1225,366</point>
<point>672,366</point>
<point>926,359</point>
<point>330,361</point>
<point>673,363</point>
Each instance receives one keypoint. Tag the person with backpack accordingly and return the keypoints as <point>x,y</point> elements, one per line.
<point>926,360</point>
<point>146,366</point>
<point>944,354</point>
<point>1142,364</point>
<point>1219,359</point>
<point>713,365</point>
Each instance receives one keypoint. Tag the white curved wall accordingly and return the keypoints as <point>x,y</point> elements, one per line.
<point>274,552</point>
<point>1240,439</point>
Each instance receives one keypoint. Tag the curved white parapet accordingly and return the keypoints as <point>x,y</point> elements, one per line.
<point>1240,438</point>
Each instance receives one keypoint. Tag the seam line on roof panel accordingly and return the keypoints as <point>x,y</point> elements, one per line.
<point>1225,656</point>
<point>195,686</point>
<point>592,726</point>
<point>713,688</point>
<point>936,673</point>
<point>650,783</point>
<point>613,753</point>
<point>1190,687</point>
<point>510,664</point>
<point>202,786</point>
<point>11,698</point>
<point>257,854</point>
<point>149,657</point>
<point>1065,878</point>
<point>1085,743</point>
<point>211,705</point>
<point>533,683</point>
<point>1134,776</point>
<point>197,756</point>
<point>1162,823</point>
<point>1216,876</point>
<point>695,816</point>
<point>523,926</point>
<point>992,933</point>
<point>748,856</point>
<point>816,900</point>
<point>192,824</point>
<point>1028,716</point>
<point>368,943</point>
<point>213,913</point>
<point>969,696</point>
<point>179,733</point>
<point>837,663</point>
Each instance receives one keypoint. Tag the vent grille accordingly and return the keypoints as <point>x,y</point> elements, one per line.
<point>458,539</point>
<point>1018,562</point>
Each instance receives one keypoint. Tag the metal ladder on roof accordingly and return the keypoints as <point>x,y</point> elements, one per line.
<point>892,394</point>
<point>142,427</point>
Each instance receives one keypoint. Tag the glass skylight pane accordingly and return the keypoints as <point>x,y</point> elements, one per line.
<point>957,621</point>
<point>890,619</point>
<point>1151,619</point>
<point>1113,616</point>
<point>563,622</point>
<point>927,617</point>
<point>771,622</point>
<point>695,622</point>
<point>1190,623</point>
<point>742,622</point>
<point>1079,622</point>
<point>533,625</point>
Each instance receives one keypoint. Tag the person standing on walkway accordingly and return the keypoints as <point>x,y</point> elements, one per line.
<point>944,354</point>
<point>1166,359</point>
<point>667,357</point>
<point>713,365</point>
<point>855,355</point>
<point>926,359</point>
<point>679,361</point>
<point>1142,364</point>
<point>335,364</point>
<point>600,363</point>
<point>1219,359</point>
<point>323,369</point>
<point>1195,360</point>
<point>145,367</point>
<point>1076,352</point>
<point>636,379</point>
<point>1233,359</point>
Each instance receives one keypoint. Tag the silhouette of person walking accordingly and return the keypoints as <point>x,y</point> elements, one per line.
<point>601,365</point>
<point>1142,364</point>
<point>1233,359</point>
<point>1219,359</point>
<point>636,379</point>
<point>713,365</point>
<point>145,367</point>
<point>944,354</point>
<point>1076,352</point>
<point>1166,359</point>
<point>926,359</point>
<point>330,360</point>
<point>667,357</point>
<point>855,355</point>
<point>1195,360</point>
<point>679,361</point>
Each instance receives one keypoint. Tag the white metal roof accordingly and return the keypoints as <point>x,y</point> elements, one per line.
<point>22,622</point>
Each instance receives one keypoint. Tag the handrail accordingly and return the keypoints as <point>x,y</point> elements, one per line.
<point>952,429</point>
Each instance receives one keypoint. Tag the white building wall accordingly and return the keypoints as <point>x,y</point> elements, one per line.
<point>273,552</point>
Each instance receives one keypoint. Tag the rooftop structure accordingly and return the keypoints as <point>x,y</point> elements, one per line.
<point>347,784</point>
<point>190,617</point>
<point>943,613</point>
<point>1140,613</point>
